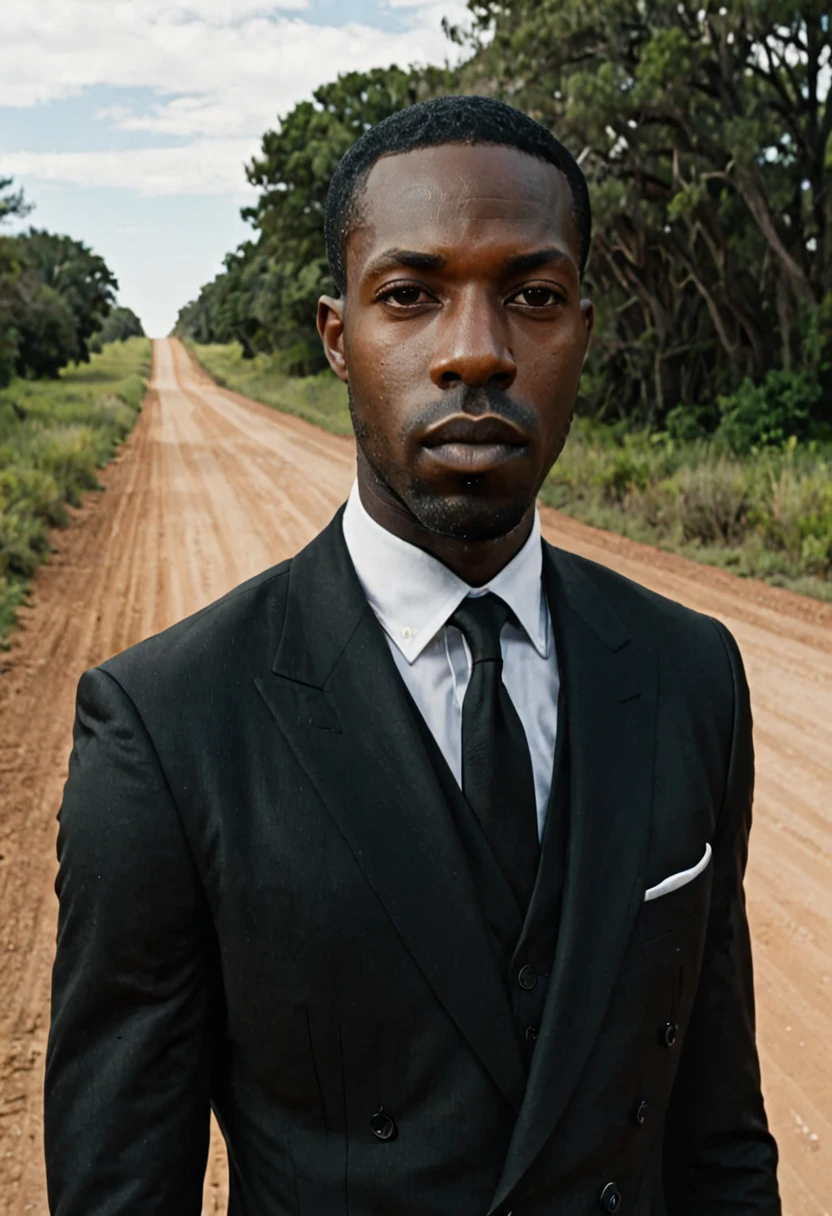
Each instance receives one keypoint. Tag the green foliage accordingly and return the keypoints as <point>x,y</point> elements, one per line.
<point>712,501</point>
<point>10,272</point>
<point>120,324</point>
<point>54,435</point>
<point>30,502</point>
<point>55,294</point>
<point>704,131</point>
<point>319,398</point>
<point>767,414</point>
<point>766,514</point>
<point>46,329</point>
<point>12,202</point>
<point>83,282</point>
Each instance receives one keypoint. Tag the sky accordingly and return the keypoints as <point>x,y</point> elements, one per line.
<point>129,122</point>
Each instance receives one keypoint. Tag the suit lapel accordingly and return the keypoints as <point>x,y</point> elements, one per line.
<point>340,702</point>
<point>610,696</point>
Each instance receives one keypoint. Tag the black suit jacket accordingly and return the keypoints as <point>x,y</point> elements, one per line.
<point>264,907</point>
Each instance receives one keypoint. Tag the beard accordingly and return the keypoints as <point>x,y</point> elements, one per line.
<point>477,508</point>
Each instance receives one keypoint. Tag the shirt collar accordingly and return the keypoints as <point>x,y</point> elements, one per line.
<point>413,594</point>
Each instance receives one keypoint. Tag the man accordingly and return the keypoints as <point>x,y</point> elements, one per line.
<point>420,856</point>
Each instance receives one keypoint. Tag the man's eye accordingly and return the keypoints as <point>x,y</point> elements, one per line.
<point>404,296</point>
<point>538,297</point>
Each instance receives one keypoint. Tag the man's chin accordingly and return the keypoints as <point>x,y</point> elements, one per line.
<point>464,517</point>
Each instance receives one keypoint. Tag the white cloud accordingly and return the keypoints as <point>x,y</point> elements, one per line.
<point>223,70</point>
<point>250,64</point>
<point>202,167</point>
<point>113,114</point>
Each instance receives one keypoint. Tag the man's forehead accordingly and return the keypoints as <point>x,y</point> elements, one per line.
<point>463,193</point>
<point>426,178</point>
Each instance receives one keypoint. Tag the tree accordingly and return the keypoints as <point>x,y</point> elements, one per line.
<point>12,204</point>
<point>55,294</point>
<point>704,129</point>
<point>82,279</point>
<point>121,323</point>
<point>47,335</point>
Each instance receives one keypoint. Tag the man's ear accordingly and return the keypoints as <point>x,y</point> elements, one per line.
<point>588,310</point>
<point>331,329</point>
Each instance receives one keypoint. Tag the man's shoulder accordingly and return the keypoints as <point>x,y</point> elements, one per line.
<point>227,636</point>
<point>661,622</point>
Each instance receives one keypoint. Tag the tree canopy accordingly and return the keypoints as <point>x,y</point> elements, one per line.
<point>55,296</point>
<point>120,324</point>
<point>705,131</point>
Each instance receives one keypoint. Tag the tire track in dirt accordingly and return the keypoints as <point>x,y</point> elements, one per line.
<point>211,488</point>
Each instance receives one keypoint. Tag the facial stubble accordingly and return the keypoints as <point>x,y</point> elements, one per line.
<point>469,515</point>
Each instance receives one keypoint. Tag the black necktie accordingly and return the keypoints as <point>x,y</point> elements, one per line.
<point>497,776</point>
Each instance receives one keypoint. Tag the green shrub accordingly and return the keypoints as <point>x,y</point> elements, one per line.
<point>713,500</point>
<point>769,413</point>
<point>767,514</point>
<point>54,436</point>
<point>687,423</point>
<point>799,519</point>
<point>320,398</point>
<point>300,359</point>
<point>71,454</point>
<point>30,502</point>
<point>610,465</point>
<point>12,593</point>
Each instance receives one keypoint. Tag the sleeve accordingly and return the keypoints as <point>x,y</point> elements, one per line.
<point>719,1155</point>
<point>129,1055</point>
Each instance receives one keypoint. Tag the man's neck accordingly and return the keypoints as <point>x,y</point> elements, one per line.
<point>475,562</point>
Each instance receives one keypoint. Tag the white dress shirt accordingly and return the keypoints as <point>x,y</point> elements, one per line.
<point>413,595</point>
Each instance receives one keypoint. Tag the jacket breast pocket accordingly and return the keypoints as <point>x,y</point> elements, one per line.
<point>669,912</point>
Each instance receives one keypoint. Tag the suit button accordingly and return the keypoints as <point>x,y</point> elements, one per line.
<point>667,1034</point>
<point>531,1034</point>
<point>640,1113</point>
<point>382,1126</point>
<point>527,978</point>
<point>610,1198</point>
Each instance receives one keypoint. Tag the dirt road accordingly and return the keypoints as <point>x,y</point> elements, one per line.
<point>212,488</point>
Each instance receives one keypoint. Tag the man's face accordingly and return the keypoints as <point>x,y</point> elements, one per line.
<point>462,333</point>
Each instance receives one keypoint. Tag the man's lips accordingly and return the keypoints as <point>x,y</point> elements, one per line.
<point>474,445</point>
<point>484,429</point>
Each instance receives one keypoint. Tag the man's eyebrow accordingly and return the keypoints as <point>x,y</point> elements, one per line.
<point>410,258</point>
<point>539,257</point>
<point>414,259</point>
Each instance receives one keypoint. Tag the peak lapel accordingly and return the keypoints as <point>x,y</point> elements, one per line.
<point>610,695</point>
<point>343,708</point>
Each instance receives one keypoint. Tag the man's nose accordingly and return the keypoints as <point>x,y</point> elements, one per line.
<point>473,346</point>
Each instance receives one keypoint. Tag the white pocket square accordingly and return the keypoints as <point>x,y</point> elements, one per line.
<point>678,880</point>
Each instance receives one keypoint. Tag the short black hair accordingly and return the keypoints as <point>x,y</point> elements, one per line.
<point>429,124</point>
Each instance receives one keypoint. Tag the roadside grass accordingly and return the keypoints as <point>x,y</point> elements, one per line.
<point>321,399</point>
<point>767,515</point>
<point>54,436</point>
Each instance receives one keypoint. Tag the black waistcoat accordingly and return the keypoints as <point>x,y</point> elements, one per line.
<point>524,945</point>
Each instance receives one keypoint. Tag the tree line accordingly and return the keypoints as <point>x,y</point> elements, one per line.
<point>57,299</point>
<point>705,131</point>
